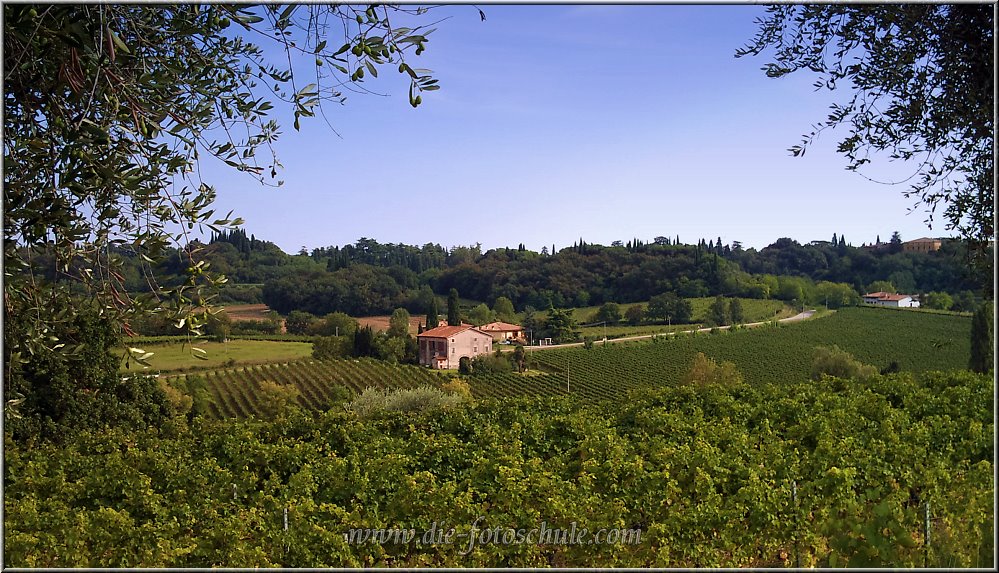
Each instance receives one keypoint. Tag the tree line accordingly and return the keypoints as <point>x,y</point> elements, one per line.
<point>371,278</point>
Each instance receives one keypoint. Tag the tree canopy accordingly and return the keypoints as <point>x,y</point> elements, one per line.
<point>108,110</point>
<point>919,82</point>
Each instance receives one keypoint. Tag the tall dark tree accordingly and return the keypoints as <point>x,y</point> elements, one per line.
<point>453,312</point>
<point>735,312</point>
<point>982,337</point>
<point>895,243</point>
<point>433,317</point>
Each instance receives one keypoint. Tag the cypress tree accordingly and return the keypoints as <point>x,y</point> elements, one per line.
<point>453,315</point>
<point>981,339</point>
<point>432,314</point>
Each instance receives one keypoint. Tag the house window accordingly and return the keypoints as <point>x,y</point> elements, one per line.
<point>452,351</point>
<point>475,349</point>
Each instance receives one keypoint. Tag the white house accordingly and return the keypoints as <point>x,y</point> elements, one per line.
<point>894,300</point>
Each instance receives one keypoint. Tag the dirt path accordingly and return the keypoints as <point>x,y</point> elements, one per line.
<point>800,316</point>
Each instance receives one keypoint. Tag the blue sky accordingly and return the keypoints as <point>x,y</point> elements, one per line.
<point>566,121</point>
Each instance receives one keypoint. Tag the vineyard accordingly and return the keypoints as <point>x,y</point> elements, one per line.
<point>235,392</point>
<point>770,354</point>
<point>891,471</point>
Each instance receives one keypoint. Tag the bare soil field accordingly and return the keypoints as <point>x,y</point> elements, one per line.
<point>247,311</point>
<point>381,323</point>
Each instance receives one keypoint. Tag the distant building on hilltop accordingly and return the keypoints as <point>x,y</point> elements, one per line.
<point>894,300</point>
<point>443,347</point>
<point>923,245</point>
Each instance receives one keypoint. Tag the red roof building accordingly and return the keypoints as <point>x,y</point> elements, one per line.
<point>888,299</point>
<point>443,347</point>
<point>501,331</point>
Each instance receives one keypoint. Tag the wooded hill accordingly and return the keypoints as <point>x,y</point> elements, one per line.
<point>369,277</point>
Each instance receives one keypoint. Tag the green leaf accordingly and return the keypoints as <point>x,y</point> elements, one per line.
<point>118,43</point>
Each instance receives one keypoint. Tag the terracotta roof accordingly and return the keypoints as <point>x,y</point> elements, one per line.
<point>887,296</point>
<point>447,331</point>
<point>501,327</point>
<point>923,240</point>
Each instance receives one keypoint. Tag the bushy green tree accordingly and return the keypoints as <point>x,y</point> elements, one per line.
<point>635,314</point>
<point>561,326</point>
<point>399,323</point>
<point>706,372</point>
<point>337,324</point>
<point>669,307</point>
<point>835,295</point>
<point>503,308</point>
<point>936,300</point>
<point>491,364</point>
<point>520,358</point>
<point>299,322</point>
<point>480,315</point>
<point>610,312</point>
<point>390,348</point>
<point>53,395</point>
<point>832,361</point>
<point>332,347</point>
<point>718,312</point>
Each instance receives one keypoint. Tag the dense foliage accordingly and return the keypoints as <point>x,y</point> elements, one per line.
<point>919,83</point>
<point>108,110</point>
<point>828,473</point>
<point>53,395</point>
<point>377,278</point>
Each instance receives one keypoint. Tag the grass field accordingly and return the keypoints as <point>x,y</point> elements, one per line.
<point>768,354</point>
<point>176,356</point>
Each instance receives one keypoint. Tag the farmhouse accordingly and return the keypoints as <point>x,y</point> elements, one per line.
<point>502,331</point>
<point>444,346</point>
<point>924,245</point>
<point>887,299</point>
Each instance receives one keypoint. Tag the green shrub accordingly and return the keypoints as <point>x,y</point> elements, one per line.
<point>373,401</point>
<point>706,372</point>
<point>832,361</point>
